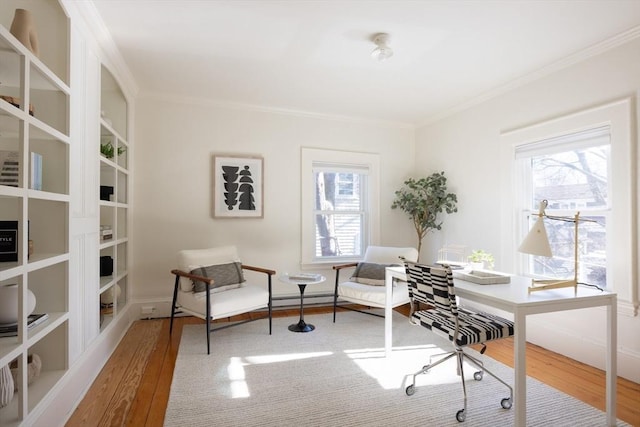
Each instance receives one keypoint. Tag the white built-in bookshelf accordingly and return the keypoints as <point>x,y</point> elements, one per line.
<point>35,132</point>
<point>114,198</point>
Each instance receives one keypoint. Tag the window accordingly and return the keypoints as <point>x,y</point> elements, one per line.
<point>567,160</point>
<point>572,173</point>
<point>338,192</point>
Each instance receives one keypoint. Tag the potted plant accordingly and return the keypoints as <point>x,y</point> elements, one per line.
<point>482,259</point>
<point>108,150</point>
<point>424,200</point>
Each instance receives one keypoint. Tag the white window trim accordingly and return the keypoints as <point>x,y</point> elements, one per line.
<point>349,159</point>
<point>622,258</point>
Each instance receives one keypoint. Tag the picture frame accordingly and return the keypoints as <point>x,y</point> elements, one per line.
<point>238,187</point>
<point>8,241</point>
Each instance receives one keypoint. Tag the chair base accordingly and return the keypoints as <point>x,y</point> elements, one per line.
<point>461,356</point>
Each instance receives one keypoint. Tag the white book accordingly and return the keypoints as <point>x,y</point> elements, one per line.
<point>36,171</point>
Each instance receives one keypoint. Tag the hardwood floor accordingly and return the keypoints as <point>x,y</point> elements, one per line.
<point>133,387</point>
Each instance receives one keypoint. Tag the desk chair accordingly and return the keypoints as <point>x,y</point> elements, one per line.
<point>434,287</point>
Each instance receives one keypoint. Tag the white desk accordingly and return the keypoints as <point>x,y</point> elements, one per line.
<point>514,298</point>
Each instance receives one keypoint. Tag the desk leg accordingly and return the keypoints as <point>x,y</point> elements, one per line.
<point>612,344</point>
<point>301,326</point>
<point>388,313</point>
<point>520,370</point>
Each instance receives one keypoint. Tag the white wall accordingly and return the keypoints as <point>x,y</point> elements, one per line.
<point>175,142</point>
<point>466,145</point>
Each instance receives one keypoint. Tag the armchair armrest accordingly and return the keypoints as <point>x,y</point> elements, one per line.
<point>269,273</point>
<point>195,277</point>
<point>337,268</point>
<point>341,266</point>
<point>259,269</point>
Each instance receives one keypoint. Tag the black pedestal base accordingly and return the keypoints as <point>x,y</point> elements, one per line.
<point>301,326</point>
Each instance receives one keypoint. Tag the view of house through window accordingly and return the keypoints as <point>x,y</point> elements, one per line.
<point>339,212</point>
<point>572,173</point>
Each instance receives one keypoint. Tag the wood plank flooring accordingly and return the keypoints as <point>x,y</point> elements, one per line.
<point>133,387</point>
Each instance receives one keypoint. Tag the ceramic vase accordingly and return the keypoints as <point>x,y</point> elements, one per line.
<point>24,29</point>
<point>9,303</point>
<point>6,386</point>
<point>34,367</point>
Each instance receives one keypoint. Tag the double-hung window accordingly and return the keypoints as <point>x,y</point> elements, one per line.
<point>582,162</point>
<point>339,190</point>
<point>572,173</point>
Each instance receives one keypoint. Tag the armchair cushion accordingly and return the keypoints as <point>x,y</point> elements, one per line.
<point>225,276</point>
<point>370,273</point>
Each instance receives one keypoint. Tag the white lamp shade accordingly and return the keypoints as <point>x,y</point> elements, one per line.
<point>536,242</point>
<point>9,303</point>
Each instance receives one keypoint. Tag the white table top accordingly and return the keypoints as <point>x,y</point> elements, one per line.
<point>515,295</point>
<point>302,278</point>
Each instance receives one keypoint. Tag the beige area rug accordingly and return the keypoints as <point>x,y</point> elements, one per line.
<point>337,376</point>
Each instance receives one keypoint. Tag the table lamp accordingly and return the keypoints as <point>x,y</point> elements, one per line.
<point>537,243</point>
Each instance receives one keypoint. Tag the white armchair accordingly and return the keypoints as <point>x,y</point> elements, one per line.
<point>210,284</point>
<point>366,286</point>
<point>371,288</point>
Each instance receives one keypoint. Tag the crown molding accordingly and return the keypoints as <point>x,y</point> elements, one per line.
<point>85,14</point>
<point>590,52</point>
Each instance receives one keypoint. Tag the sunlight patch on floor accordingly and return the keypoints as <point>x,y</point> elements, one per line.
<point>396,371</point>
<point>235,369</point>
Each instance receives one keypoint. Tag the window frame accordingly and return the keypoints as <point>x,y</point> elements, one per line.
<point>622,228</point>
<point>345,160</point>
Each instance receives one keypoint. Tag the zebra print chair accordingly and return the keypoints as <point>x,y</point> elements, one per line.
<point>434,287</point>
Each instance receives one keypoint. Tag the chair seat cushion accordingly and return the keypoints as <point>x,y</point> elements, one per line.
<point>475,327</point>
<point>373,296</point>
<point>245,298</point>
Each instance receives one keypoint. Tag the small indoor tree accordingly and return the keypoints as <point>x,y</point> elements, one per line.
<point>423,200</point>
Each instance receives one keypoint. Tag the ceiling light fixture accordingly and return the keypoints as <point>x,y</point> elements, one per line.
<point>382,52</point>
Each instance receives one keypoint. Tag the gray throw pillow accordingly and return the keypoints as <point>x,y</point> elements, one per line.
<point>370,273</point>
<point>222,275</point>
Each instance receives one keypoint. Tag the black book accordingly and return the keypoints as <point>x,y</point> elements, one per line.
<point>11,329</point>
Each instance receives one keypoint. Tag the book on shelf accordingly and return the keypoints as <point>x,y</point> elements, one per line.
<point>36,171</point>
<point>11,329</point>
<point>9,168</point>
<point>106,232</point>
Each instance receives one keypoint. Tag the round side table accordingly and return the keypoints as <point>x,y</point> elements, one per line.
<point>302,280</point>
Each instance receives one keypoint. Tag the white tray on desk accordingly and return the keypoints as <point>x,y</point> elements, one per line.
<point>482,277</point>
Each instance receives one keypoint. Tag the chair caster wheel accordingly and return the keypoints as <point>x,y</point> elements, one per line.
<point>478,375</point>
<point>506,403</point>
<point>461,416</point>
<point>410,390</point>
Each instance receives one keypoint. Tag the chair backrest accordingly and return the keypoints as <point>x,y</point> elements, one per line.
<point>433,286</point>
<point>190,259</point>
<point>390,255</point>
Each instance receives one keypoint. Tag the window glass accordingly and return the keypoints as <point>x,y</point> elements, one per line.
<point>572,178</point>
<point>339,214</point>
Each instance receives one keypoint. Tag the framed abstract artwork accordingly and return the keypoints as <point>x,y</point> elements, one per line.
<point>237,187</point>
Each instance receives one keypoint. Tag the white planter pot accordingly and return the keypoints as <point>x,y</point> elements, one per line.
<point>9,303</point>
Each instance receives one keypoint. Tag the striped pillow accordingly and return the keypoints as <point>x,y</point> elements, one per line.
<point>223,275</point>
